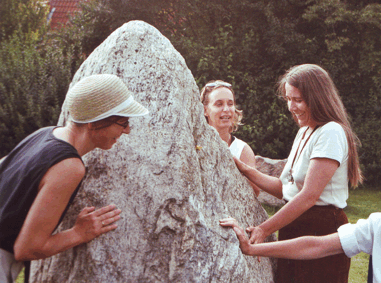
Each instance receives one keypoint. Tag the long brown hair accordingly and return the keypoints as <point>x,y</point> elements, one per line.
<point>321,96</point>
<point>204,97</point>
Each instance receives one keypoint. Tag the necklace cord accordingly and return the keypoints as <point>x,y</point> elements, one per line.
<point>291,178</point>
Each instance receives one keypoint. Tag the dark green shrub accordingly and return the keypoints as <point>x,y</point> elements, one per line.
<point>248,43</point>
<point>34,79</point>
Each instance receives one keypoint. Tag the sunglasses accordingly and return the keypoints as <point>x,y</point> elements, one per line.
<point>215,84</point>
<point>124,124</point>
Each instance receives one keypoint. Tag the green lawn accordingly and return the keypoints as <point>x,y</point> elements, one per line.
<point>20,278</point>
<point>361,203</point>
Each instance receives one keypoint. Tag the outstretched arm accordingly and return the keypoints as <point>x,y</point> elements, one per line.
<point>35,240</point>
<point>307,247</point>
<point>320,172</point>
<point>248,157</point>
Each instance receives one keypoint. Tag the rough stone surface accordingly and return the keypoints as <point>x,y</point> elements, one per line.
<point>272,167</point>
<point>171,193</point>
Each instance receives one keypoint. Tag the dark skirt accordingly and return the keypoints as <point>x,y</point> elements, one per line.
<point>317,221</point>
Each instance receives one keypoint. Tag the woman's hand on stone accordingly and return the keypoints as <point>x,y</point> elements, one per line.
<point>229,222</point>
<point>257,235</point>
<point>241,235</point>
<point>91,223</point>
<point>242,167</point>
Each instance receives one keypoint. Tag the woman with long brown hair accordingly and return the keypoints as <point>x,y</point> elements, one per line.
<point>314,181</point>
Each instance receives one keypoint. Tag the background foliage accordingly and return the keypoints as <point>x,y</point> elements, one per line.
<point>35,71</point>
<point>249,43</point>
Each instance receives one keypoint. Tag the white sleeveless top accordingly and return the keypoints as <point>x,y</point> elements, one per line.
<point>236,147</point>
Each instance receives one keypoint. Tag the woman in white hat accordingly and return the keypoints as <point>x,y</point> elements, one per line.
<point>40,177</point>
<point>221,113</point>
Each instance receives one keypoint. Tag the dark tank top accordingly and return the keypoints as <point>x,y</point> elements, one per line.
<point>20,176</point>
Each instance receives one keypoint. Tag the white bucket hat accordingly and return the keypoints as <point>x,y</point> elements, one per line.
<point>100,96</point>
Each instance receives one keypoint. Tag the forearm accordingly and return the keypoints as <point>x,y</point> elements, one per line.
<point>33,243</point>
<point>320,172</point>
<point>288,213</point>
<point>308,247</point>
<point>256,189</point>
<point>37,249</point>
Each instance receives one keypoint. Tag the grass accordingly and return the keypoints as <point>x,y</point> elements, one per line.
<point>20,278</point>
<point>361,203</point>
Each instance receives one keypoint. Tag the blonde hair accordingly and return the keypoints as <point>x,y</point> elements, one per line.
<point>322,97</point>
<point>215,84</point>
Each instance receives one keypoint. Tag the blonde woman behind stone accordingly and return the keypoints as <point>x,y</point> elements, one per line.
<point>221,113</point>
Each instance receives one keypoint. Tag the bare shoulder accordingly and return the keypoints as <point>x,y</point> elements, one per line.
<point>69,171</point>
<point>70,166</point>
<point>248,156</point>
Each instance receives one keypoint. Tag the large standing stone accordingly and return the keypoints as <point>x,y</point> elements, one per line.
<point>271,167</point>
<point>172,176</point>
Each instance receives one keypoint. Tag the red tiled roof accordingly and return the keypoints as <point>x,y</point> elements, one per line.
<point>62,9</point>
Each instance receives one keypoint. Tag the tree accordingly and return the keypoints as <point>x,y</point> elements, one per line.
<point>23,15</point>
<point>34,74</point>
<point>350,50</point>
<point>250,44</point>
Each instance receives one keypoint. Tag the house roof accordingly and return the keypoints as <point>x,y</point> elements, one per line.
<point>60,11</point>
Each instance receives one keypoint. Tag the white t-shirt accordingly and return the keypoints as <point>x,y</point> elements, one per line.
<point>364,236</point>
<point>328,141</point>
<point>236,147</point>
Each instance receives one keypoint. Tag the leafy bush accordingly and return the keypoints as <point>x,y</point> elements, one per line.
<point>33,83</point>
<point>35,73</point>
<point>248,43</point>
